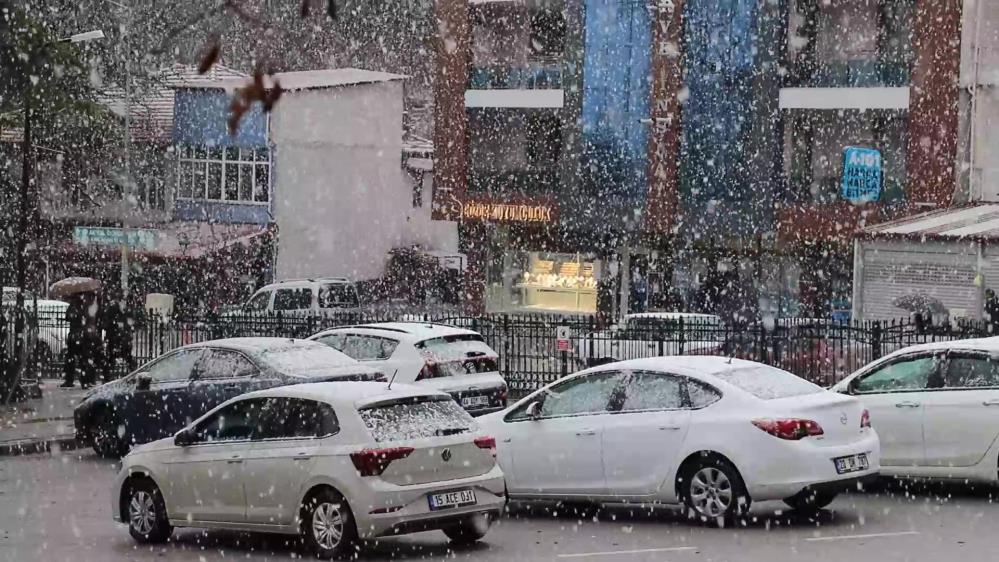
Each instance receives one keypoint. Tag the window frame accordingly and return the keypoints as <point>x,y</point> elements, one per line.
<point>319,403</point>
<point>198,374</point>
<point>195,429</point>
<point>957,354</point>
<point>545,392</point>
<point>193,156</point>
<point>939,356</point>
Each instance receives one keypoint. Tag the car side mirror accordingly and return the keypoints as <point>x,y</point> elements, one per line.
<point>184,438</point>
<point>143,381</point>
<point>534,410</point>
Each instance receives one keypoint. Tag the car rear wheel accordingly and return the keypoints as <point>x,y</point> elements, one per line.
<point>328,527</point>
<point>713,490</point>
<point>146,512</point>
<point>470,530</point>
<point>108,442</point>
<point>810,500</point>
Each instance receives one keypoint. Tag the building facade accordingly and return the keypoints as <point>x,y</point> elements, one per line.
<point>695,154</point>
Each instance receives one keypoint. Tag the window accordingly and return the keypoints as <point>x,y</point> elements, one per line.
<point>908,374</point>
<point>225,364</point>
<point>230,173</point>
<point>368,348</point>
<point>419,418</point>
<point>590,394</point>
<point>971,371</point>
<point>239,421</point>
<point>293,299</point>
<point>174,367</point>
<point>768,383</point>
<point>336,341</point>
<point>652,391</point>
<point>337,295</point>
<point>296,418</point>
<point>259,302</point>
<point>701,395</point>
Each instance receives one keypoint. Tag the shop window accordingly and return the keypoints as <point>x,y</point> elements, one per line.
<point>219,173</point>
<point>545,281</point>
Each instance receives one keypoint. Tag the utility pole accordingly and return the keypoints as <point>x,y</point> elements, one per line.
<point>128,193</point>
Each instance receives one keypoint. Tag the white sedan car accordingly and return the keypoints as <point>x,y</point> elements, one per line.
<point>332,462</point>
<point>936,408</point>
<point>709,432</point>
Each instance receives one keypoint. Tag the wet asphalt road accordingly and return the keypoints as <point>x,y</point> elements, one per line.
<point>55,507</point>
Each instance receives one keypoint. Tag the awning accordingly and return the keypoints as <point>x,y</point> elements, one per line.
<point>976,221</point>
<point>180,239</point>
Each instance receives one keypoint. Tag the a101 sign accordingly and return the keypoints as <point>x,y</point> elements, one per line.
<point>862,175</point>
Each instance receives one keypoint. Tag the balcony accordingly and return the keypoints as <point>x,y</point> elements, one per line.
<point>537,75</point>
<point>849,74</point>
<point>527,182</point>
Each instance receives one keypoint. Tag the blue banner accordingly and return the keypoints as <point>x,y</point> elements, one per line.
<point>862,176</point>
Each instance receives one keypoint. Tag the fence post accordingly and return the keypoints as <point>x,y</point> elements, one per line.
<point>591,327</point>
<point>764,344</point>
<point>682,340</point>
<point>876,340</point>
<point>506,347</point>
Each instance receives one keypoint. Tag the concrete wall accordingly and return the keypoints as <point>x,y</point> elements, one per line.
<point>978,173</point>
<point>341,197</point>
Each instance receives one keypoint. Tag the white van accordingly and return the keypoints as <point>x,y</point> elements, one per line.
<point>305,296</point>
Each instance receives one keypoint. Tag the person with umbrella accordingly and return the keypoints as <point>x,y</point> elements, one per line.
<point>84,348</point>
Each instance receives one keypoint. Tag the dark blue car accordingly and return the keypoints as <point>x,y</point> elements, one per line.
<point>164,395</point>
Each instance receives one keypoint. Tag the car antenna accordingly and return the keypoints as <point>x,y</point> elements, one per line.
<point>391,380</point>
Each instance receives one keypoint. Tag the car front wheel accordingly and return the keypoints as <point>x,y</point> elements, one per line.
<point>146,512</point>
<point>328,527</point>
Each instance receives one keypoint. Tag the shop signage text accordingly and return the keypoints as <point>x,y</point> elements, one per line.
<point>139,238</point>
<point>506,212</point>
<point>861,174</point>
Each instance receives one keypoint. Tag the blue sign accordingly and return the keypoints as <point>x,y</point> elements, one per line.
<point>861,174</point>
<point>137,238</point>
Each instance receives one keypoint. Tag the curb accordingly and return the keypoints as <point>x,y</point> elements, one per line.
<point>35,446</point>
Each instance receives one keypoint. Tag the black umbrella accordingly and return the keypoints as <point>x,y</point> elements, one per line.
<point>920,303</point>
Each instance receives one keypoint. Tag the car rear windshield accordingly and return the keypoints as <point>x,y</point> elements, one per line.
<point>418,418</point>
<point>768,383</point>
<point>304,359</point>
<point>458,355</point>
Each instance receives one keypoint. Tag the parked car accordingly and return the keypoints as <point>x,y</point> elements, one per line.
<point>454,360</point>
<point>649,334</point>
<point>710,432</point>
<point>50,338</point>
<point>323,295</point>
<point>332,462</point>
<point>936,408</point>
<point>164,395</point>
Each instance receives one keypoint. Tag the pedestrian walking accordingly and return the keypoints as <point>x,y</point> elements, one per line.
<point>92,349</point>
<point>117,337</point>
<point>991,311</point>
<point>74,341</point>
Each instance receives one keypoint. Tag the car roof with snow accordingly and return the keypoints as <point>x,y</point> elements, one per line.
<point>990,345</point>
<point>348,392</point>
<point>411,331</point>
<point>256,345</point>
<point>681,364</point>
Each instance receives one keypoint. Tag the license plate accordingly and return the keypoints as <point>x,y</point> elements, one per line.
<point>445,500</point>
<point>474,401</point>
<point>852,463</point>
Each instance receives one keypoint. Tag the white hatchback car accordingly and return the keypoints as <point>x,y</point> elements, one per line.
<point>454,360</point>
<point>333,462</point>
<point>936,408</point>
<point>709,432</point>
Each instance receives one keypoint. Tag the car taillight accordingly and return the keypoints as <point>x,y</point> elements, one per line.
<point>865,419</point>
<point>790,429</point>
<point>372,462</point>
<point>486,443</point>
<point>504,394</point>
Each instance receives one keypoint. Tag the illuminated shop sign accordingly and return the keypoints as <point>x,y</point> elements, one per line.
<point>505,212</point>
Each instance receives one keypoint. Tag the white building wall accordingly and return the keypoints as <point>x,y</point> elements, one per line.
<point>341,197</point>
<point>978,141</point>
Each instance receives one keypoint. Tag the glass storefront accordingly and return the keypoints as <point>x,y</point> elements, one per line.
<point>544,282</point>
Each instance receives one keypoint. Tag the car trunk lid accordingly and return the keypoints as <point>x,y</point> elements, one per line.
<point>838,415</point>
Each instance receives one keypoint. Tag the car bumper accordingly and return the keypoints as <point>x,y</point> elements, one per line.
<point>800,465</point>
<point>415,514</point>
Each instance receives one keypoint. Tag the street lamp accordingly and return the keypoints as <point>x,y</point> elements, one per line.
<point>22,225</point>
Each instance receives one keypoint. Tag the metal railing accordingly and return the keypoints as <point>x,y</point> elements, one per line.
<point>821,351</point>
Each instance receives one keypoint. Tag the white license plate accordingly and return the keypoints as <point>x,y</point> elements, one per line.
<point>451,499</point>
<point>852,463</point>
<point>474,401</point>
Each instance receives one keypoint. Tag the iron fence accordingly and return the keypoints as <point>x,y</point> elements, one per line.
<point>821,351</point>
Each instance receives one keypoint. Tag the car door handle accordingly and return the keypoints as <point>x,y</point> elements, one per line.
<point>507,440</point>
<point>302,457</point>
<point>235,460</point>
<point>582,432</point>
<point>907,404</point>
<point>990,403</point>
<point>669,427</point>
